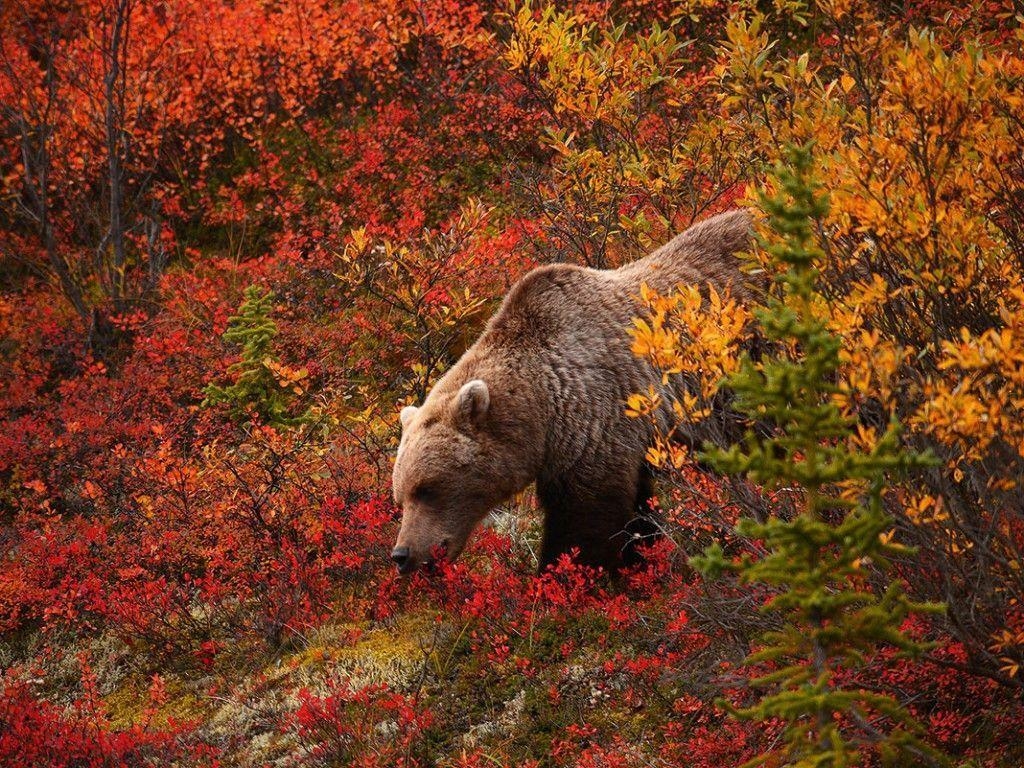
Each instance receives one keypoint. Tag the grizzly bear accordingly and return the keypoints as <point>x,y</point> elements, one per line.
<point>540,397</point>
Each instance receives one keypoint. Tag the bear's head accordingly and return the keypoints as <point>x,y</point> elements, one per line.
<point>455,463</point>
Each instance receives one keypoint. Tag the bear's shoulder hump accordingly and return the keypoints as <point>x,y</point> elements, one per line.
<point>545,283</point>
<point>536,306</point>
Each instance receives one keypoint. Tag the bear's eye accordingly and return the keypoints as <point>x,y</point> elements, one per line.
<point>424,494</point>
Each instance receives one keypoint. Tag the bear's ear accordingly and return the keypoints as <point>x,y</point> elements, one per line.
<point>406,415</point>
<point>472,403</point>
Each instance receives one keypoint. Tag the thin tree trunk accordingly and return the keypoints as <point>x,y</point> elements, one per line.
<point>35,129</point>
<point>114,136</point>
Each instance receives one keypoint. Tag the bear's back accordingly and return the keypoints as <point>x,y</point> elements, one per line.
<point>704,254</point>
<point>575,309</point>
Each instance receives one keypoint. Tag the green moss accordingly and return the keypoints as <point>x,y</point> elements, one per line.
<point>128,704</point>
<point>358,654</point>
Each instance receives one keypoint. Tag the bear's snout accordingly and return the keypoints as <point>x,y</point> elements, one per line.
<point>400,556</point>
<point>407,562</point>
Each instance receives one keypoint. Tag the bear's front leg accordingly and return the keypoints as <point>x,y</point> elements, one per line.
<point>603,519</point>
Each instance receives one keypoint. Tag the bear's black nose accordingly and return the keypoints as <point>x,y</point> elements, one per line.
<point>400,556</point>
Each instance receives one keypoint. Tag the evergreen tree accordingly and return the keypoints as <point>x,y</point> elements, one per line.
<point>262,385</point>
<point>820,561</point>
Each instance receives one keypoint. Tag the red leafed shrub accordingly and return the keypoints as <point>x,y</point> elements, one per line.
<point>175,581</point>
<point>34,732</point>
<point>371,726</point>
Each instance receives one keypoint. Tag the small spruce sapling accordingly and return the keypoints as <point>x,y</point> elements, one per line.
<point>820,562</point>
<point>262,385</point>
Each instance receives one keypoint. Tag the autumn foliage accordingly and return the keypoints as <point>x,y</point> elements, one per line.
<point>235,240</point>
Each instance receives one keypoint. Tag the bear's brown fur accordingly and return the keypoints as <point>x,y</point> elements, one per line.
<point>541,397</point>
